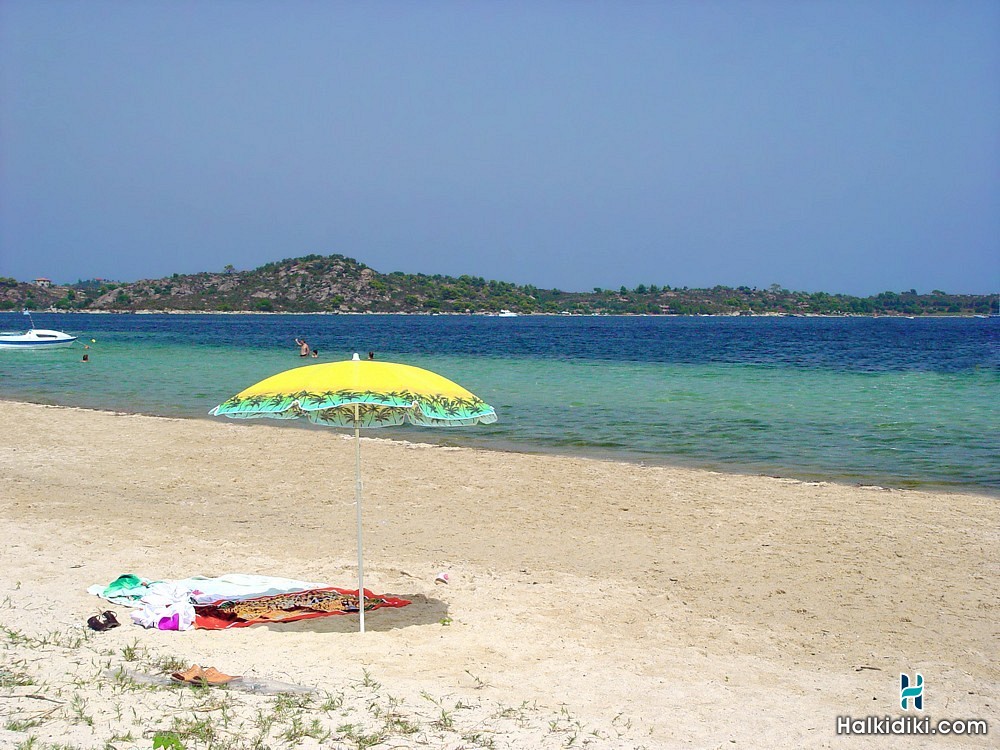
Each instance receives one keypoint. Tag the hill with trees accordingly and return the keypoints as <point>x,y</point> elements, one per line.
<point>338,284</point>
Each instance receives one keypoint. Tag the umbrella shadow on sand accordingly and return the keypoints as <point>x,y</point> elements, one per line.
<point>422,610</point>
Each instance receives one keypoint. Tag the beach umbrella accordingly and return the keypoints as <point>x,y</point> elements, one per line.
<point>360,393</point>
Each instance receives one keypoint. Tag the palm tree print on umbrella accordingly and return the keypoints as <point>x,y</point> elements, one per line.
<point>430,410</point>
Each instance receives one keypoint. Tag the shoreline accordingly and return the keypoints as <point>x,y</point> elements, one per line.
<point>901,316</point>
<point>471,442</point>
<point>618,607</point>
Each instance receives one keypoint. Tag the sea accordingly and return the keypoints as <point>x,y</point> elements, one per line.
<point>892,402</point>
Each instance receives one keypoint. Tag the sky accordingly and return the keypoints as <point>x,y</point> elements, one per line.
<point>831,145</point>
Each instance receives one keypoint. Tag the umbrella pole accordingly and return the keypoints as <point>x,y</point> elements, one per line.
<point>357,504</point>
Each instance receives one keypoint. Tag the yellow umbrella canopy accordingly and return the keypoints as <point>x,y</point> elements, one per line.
<point>386,394</point>
<point>360,393</point>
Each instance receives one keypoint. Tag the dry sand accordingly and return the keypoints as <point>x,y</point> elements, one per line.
<point>591,603</point>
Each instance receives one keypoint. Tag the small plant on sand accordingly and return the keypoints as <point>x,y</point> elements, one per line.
<point>131,651</point>
<point>167,664</point>
<point>368,681</point>
<point>69,640</point>
<point>569,726</point>
<point>286,702</point>
<point>298,729</point>
<point>14,637</point>
<point>10,678</point>
<point>479,683</point>
<point>444,721</point>
<point>354,734</point>
<point>54,638</point>
<point>394,722</point>
<point>78,706</point>
<point>123,681</point>
<point>519,714</point>
<point>200,730</point>
<point>332,703</point>
<point>480,739</point>
<point>264,722</point>
<point>15,725</point>
<point>626,723</point>
<point>167,741</point>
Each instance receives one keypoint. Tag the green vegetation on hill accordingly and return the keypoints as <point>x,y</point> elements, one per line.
<point>335,283</point>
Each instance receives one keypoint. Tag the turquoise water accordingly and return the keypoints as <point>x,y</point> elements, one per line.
<point>898,403</point>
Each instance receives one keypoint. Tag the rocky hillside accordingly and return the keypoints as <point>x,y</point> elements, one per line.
<point>335,283</point>
<point>310,284</point>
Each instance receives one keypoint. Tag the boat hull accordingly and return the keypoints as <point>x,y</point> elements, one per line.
<point>36,339</point>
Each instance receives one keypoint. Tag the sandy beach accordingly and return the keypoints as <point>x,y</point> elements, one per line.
<point>589,603</point>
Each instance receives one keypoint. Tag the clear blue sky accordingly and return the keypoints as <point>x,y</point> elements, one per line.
<point>827,145</point>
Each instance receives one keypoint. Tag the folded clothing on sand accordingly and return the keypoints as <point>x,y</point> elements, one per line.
<point>165,606</point>
<point>127,589</point>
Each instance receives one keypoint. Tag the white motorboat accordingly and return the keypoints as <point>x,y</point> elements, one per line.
<point>35,338</point>
<point>506,314</point>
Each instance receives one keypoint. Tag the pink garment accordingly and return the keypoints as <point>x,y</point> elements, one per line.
<point>165,606</point>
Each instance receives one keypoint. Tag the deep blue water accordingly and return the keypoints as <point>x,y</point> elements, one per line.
<point>889,401</point>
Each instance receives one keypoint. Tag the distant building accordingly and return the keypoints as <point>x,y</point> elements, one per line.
<point>43,282</point>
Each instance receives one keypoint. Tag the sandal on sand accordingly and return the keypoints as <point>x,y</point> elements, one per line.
<point>110,621</point>
<point>96,623</point>
<point>103,621</point>
<point>191,675</point>
<point>214,677</point>
<point>196,675</point>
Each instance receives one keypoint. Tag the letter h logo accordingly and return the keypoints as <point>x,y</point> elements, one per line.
<point>916,691</point>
